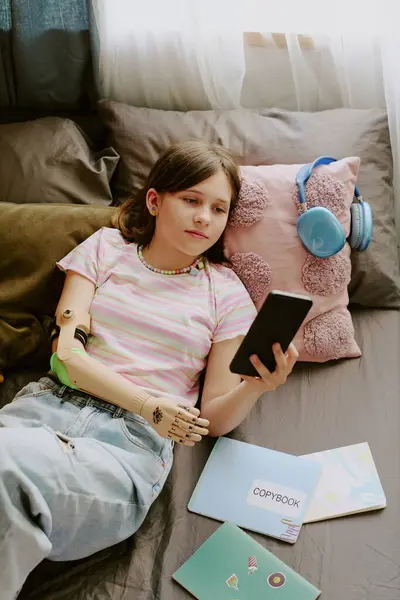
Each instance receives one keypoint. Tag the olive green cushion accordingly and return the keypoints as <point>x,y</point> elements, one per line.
<point>33,237</point>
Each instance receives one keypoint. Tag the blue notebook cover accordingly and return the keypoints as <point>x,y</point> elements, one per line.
<point>256,488</point>
<point>230,565</point>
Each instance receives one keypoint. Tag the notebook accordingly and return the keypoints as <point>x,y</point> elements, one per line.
<point>349,483</point>
<point>256,488</point>
<point>231,565</point>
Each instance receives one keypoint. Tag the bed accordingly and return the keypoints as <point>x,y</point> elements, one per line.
<point>320,407</point>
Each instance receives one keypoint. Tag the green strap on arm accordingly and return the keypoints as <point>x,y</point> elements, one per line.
<point>60,369</point>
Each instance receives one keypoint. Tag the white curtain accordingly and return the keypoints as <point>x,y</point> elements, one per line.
<point>192,54</point>
<point>169,53</point>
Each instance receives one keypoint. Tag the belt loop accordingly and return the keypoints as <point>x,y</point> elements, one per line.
<point>118,412</point>
<point>61,391</point>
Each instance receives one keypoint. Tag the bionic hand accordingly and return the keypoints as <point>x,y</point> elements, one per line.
<point>76,369</point>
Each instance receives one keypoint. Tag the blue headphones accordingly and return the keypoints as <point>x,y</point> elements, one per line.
<point>320,230</point>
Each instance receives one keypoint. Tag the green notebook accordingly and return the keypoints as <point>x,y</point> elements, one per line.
<point>230,565</point>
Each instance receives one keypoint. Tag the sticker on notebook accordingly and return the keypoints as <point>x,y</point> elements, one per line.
<point>276,580</point>
<point>292,530</point>
<point>253,566</point>
<point>233,582</point>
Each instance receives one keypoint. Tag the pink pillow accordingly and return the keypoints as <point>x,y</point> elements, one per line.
<point>266,253</point>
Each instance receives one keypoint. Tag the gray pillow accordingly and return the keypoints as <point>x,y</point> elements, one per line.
<point>271,136</point>
<point>50,160</point>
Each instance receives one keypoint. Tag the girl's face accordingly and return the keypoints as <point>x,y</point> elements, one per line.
<point>194,219</point>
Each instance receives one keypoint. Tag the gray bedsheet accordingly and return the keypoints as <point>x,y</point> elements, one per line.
<point>320,407</point>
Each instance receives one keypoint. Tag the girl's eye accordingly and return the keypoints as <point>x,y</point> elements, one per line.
<point>190,200</point>
<point>220,210</point>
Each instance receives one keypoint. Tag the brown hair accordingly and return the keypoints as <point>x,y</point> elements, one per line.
<point>183,165</point>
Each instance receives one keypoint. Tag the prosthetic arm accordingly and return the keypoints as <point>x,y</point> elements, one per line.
<point>76,369</point>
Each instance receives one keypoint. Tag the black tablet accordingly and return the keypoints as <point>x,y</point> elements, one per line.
<point>277,321</point>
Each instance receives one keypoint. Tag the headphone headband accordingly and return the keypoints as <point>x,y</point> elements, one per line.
<point>305,172</point>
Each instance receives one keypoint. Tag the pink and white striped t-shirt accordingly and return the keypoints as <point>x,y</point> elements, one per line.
<point>157,330</point>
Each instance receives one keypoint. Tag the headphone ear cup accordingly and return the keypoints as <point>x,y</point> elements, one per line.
<point>361,226</point>
<point>357,220</point>
<point>321,232</point>
<point>367,226</point>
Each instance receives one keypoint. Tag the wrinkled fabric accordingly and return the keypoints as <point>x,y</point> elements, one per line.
<point>77,475</point>
<point>319,407</point>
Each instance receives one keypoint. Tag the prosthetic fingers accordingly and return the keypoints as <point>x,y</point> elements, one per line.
<point>77,370</point>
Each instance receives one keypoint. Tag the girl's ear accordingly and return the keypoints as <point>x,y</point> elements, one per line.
<point>152,201</point>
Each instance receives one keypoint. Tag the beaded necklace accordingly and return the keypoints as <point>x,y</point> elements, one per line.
<point>193,269</point>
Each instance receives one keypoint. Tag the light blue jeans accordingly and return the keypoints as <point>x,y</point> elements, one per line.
<point>76,475</point>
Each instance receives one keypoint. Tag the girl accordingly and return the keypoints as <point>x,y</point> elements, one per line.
<point>79,473</point>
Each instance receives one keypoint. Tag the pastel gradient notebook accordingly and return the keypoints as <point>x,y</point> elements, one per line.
<point>349,483</point>
<point>256,488</point>
<point>230,565</point>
